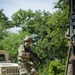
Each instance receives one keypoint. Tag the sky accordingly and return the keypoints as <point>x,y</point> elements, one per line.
<point>12,6</point>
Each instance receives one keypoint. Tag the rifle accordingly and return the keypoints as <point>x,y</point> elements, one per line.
<point>72,34</point>
<point>33,56</point>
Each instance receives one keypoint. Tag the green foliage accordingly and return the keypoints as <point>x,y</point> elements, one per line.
<point>56,68</point>
<point>46,28</point>
<point>3,24</point>
<point>49,41</point>
<point>61,5</point>
<point>11,44</point>
<point>44,68</point>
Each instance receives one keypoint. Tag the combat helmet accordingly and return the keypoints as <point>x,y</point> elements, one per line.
<point>28,38</point>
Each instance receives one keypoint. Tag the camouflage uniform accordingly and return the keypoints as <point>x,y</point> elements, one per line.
<point>24,58</point>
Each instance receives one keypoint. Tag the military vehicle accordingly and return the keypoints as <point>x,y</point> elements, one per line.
<point>6,67</point>
<point>9,68</point>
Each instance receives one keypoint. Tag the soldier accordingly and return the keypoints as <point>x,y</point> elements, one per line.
<point>24,56</point>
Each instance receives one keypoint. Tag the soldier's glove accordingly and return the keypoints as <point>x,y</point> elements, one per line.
<point>26,55</point>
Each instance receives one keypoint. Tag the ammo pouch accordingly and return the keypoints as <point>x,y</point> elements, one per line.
<point>26,57</point>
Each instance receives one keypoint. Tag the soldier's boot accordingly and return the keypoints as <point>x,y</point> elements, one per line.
<point>33,72</point>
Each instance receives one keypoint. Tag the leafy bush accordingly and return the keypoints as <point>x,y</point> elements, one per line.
<point>56,68</point>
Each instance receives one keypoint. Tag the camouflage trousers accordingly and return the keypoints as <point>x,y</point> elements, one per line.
<point>31,68</point>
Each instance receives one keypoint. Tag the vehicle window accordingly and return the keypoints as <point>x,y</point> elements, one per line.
<point>2,57</point>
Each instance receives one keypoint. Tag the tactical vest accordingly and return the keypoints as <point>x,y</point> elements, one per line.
<point>26,55</point>
<point>26,49</point>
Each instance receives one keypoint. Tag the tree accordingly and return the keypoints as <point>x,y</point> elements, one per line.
<point>12,42</point>
<point>49,41</point>
<point>46,27</point>
<point>3,24</point>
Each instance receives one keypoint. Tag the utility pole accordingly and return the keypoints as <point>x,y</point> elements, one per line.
<point>72,33</point>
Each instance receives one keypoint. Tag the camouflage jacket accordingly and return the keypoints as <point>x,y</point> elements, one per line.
<point>22,54</point>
